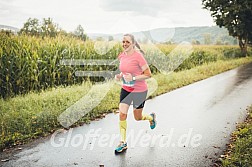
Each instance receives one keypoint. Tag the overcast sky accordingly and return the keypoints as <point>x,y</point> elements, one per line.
<point>107,16</point>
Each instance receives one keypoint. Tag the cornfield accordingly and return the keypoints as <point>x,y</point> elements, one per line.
<point>33,63</point>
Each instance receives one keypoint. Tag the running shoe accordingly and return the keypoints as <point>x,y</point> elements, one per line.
<point>153,123</point>
<point>122,146</point>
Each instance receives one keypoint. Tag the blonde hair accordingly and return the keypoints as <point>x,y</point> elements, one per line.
<point>135,42</point>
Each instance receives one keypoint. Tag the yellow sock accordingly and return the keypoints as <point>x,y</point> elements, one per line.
<point>147,117</point>
<point>123,127</point>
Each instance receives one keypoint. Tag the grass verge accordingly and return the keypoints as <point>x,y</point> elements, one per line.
<point>239,151</point>
<point>24,118</point>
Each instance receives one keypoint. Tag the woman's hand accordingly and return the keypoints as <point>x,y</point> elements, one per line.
<point>127,77</point>
<point>118,77</point>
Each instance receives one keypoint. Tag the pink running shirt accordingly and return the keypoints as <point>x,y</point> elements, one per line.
<point>132,64</point>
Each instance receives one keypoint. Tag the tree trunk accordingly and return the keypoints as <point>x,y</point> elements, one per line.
<point>243,43</point>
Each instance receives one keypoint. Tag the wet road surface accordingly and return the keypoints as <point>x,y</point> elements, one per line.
<point>194,124</point>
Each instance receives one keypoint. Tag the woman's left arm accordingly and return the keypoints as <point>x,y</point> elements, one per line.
<point>146,73</point>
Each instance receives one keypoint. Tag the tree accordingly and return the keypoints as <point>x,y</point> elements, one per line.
<point>49,28</point>
<point>7,32</point>
<point>79,32</point>
<point>31,27</point>
<point>99,39</point>
<point>219,41</point>
<point>207,38</point>
<point>236,16</point>
<point>110,38</point>
<point>195,42</point>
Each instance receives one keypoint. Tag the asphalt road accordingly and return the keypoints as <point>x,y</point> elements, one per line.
<point>194,124</point>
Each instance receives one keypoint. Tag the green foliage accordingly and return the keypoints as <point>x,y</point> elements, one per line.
<point>235,16</point>
<point>79,32</point>
<point>48,28</point>
<point>239,152</point>
<point>31,27</point>
<point>33,63</point>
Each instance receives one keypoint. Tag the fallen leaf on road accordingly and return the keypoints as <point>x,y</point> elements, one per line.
<point>4,160</point>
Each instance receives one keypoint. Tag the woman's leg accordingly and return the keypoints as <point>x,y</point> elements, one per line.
<point>123,108</point>
<point>138,103</point>
<point>125,101</point>
<point>139,115</point>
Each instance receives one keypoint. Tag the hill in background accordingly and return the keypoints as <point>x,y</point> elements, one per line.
<point>196,35</point>
<point>201,34</point>
<point>4,27</point>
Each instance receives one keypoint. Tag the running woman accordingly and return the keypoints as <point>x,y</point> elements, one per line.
<point>134,71</point>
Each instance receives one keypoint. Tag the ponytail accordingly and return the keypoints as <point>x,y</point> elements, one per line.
<point>139,48</point>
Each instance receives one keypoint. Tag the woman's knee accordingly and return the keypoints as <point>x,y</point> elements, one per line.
<point>138,118</point>
<point>123,116</point>
<point>138,114</point>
